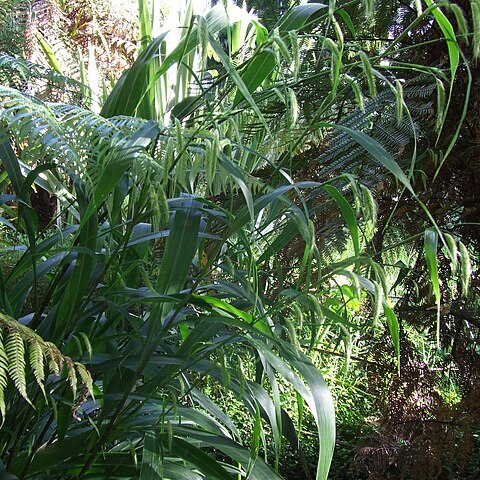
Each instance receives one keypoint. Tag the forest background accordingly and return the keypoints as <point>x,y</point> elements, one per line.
<point>239,240</point>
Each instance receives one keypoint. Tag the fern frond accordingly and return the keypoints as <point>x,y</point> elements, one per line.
<point>34,124</point>
<point>379,119</point>
<point>13,22</point>
<point>127,125</point>
<point>15,341</point>
<point>79,141</point>
<point>71,376</point>
<point>37,363</point>
<point>85,376</point>
<point>55,360</point>
<point>15,350</point>
<point>3,375</point>
<point>43,82</point>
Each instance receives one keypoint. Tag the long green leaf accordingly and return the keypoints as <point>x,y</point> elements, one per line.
<point>152,457</point>
<point>80,282</point>
<point>132,85</point>
<point>237,79</point>
<point>238,453</point>
<point>145,23</point>
<point>298,16</point>
<point>430,249</point>
<point>239,178</point>
<point>394,329</point>
<point>179,252</point>
<point>449,32</point>
<point>136,82</point>
<point>196,457</point>
<point>255,73</point>
<point>315,393</point>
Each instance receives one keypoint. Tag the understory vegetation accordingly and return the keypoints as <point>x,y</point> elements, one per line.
<point>239,240</point>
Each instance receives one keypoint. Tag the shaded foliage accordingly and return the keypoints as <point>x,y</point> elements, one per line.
<point>227,229</point>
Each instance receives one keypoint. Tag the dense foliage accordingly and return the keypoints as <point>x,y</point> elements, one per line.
<point>194,247</point>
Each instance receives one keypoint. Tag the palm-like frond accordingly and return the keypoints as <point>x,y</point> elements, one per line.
<point>40,81</point>
<point>17,342</point>
<point>14,15</point>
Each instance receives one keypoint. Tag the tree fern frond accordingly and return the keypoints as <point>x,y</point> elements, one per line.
<point>37,364</point>
<point>3,407</point>
<point>33,123</point>
<point>3,375</point>
<point>85,376</point>
<point>15,350</point>
<point>3,361</point>
<point>54,357</point>
<point>71,376</point>
<point>378,118</point>
<point>43,82</point>
<point>79,141</point>
<point>99,140</point>
<point>127,125</point>
<point>421,87</point>
<point>15,341</point>
<point>13,23</point>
